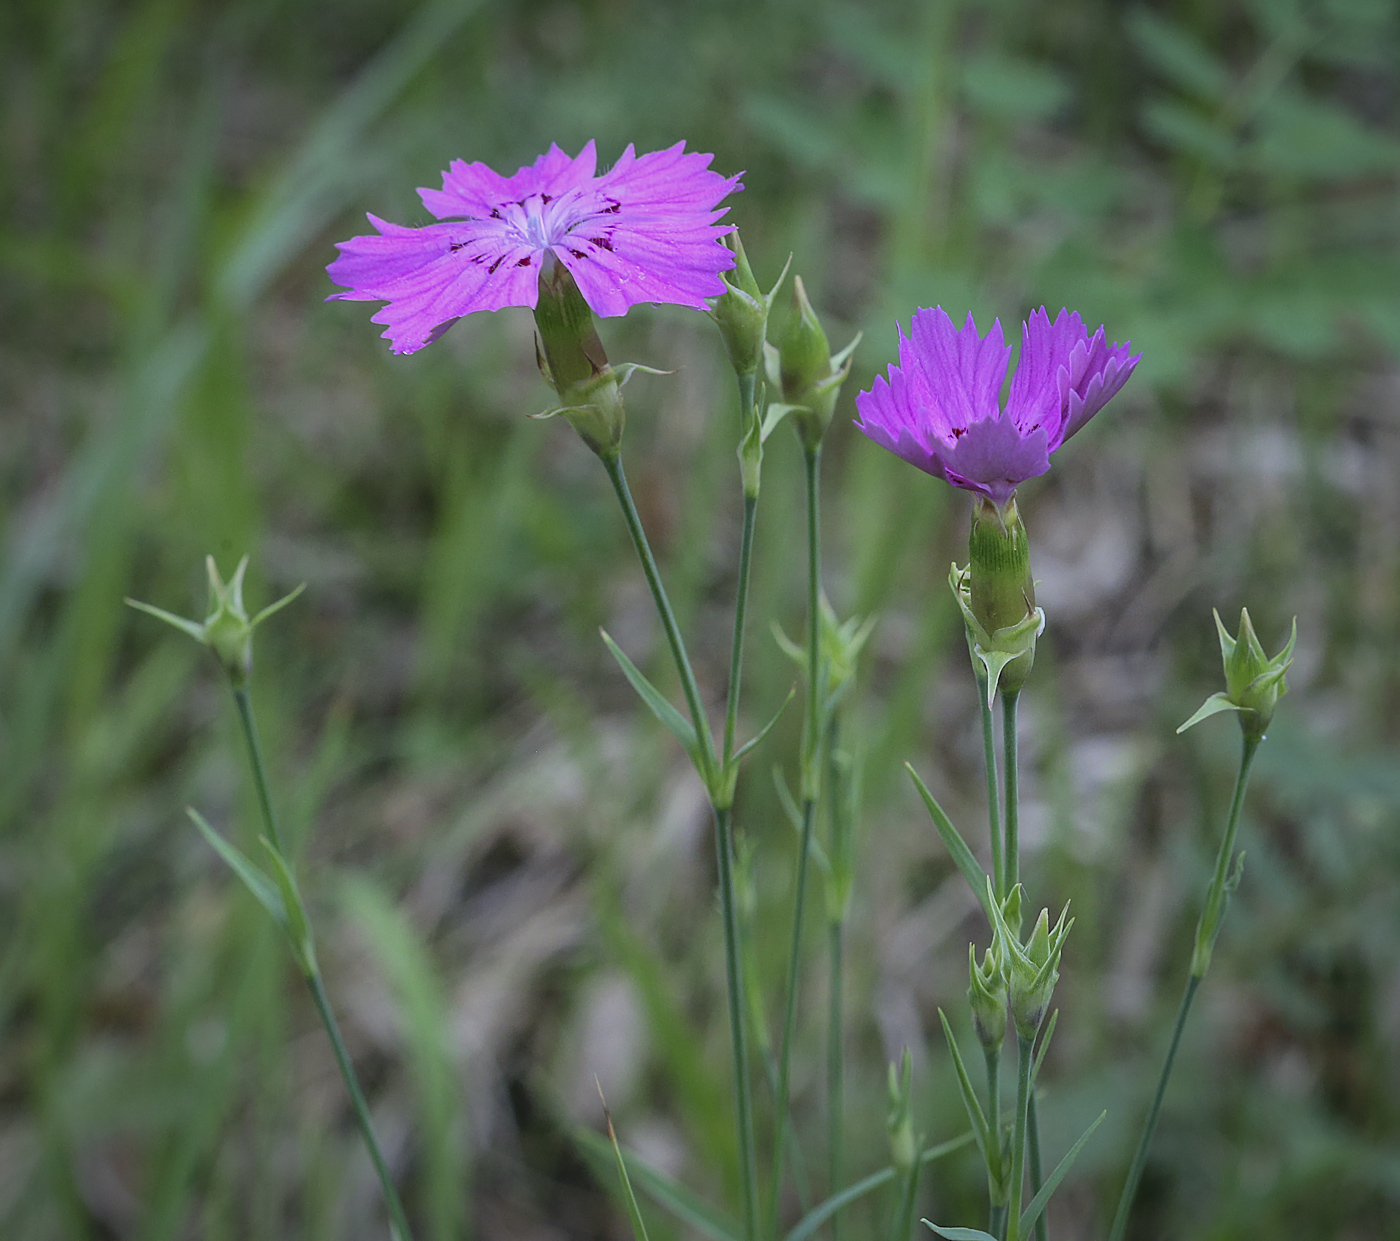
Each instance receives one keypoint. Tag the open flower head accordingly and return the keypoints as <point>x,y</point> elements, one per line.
<point>644,231</point>
<point>940,409</point>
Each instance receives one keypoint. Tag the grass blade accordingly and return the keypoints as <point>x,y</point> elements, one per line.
<point>1052,1182</point>
<point>957,847</point>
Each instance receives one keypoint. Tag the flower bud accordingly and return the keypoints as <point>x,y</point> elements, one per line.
<point>807,374</point>
<point>987,997</point>
<point>899,1120</point>
<point>227,630</point>
<point>1253,682</point>
<point>1031,969</point>
<point>741,311</point>
<point>573,361</point>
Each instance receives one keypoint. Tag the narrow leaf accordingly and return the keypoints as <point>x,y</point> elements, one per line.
<point>1052,1182</point>
<point>957,847</point>
<point>1212,706</point>
<point>262,888</point>
<point>961,1234</point>
<point>786,799</point>
<point>661,1189</point>
<point>823,1211</point>
<point>193,628</point>
<point>969,1097</point>
<point>298,927</point>
<point>639,1228</point>
<point>766,729</point>
<point>276,607</point>
<point>625,370</point>
<point>1044,1044</point>
<point>680,727</point>
<point>773,415</point>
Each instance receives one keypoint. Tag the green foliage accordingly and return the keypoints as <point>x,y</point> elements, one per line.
<point>1216,182</point>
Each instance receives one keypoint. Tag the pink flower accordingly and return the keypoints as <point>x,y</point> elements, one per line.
<point>644,231</point>
<point>941,406</point>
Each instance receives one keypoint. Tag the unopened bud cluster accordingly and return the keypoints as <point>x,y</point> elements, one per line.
<point>1016,977</point>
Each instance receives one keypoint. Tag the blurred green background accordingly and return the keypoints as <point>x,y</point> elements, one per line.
<point>509,861</point>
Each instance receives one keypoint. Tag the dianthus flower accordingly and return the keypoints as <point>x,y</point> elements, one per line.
<point>941,410</point>
<point>644,231</point>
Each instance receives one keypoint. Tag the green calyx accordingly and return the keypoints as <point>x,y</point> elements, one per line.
<point>741,311</point>
<point>1253,682</point>
<point>806,373</point>
<point>1001,658</point>
<point>227,630</point>
<point>1030,970</point>
<point>899,1120</point>
<point>997,596</point>
<point>986,995</point>
<point>573,362</point>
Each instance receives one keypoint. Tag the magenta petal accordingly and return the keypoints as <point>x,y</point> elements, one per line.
<point>432,275</point>
<point>956,373</point>
<point>1105,370</point>
<point>644,231</point>
<point>1040,385</point>
<point>995,456</point>
<point>939,408</point>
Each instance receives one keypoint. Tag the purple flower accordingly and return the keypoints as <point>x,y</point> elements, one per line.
<point>941,407</point>
<point>644,231</point>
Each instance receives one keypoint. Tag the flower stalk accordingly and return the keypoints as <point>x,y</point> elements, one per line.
<point>228,632</point>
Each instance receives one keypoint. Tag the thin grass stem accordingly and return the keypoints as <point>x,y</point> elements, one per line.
<point>835,1063</point>
<point>810,782</point>
<point>613,465</point>
<point>1024,1059</point>
<point>317,986</point>
<point>741,595</point>
<point>1013,793</point>
<point>1205,937</point>
<point>1042,1229</point>
<point>989,751</point>
<point>743,1101</point>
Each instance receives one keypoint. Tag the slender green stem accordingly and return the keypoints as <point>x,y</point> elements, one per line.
<point>810,786</point>
<point>1042,1229</point>
<point>1217,895</point>
<point>1125,1203</point>
<point>1206,931</point>
<point>989,751</point>
<point>997,1226</point>
<point>743,1102</point>
<point>357,1097</point>
<point>736,654</point>
<point>1013,794</point>
<point>903,1222</point>
<point>1024,1059</point>
<point>613,464</point>
<point>255,761</point>
<point>747,414</point>
<point>315,983</point>
<point>780,1122</point>
<point>839,852</point>
<point>813,737</point>
<point>992,1057</point>
<point>835,1063</point>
